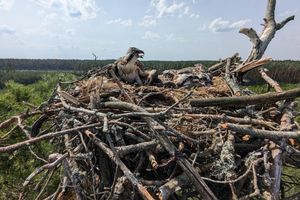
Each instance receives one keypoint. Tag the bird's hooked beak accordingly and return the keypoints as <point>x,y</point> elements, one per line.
<point>134,52</point>
<point>140,54</point>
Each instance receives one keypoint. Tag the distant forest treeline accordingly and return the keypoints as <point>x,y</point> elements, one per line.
<point>287,71</point>
<point>85,65</point>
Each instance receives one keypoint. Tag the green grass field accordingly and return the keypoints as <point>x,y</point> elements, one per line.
<point>263,88</point>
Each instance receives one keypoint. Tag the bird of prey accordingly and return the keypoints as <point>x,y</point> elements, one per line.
<point>187,77</point>
<point>129,69</point>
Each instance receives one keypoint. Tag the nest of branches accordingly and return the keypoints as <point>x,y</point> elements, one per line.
<point>120,141</point>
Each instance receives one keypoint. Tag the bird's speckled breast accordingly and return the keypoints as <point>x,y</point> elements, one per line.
<point>128,72</point>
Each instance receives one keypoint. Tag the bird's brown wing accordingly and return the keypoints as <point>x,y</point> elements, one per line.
<point>141,70</point>
<point>121,61</point>
<point>140,65</point>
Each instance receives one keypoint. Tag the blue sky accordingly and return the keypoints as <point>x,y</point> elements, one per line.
<point>164,29</point>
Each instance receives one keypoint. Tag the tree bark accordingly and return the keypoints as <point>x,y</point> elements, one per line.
<point>231,80</point>
<point>186,166</point>
<point>166,190</point>
<point>260,43</point>
<point>142,190</point>
<point>260,133</point>
<point>266,98</point>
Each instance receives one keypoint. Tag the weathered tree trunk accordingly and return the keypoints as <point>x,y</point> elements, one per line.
<point>260,43</point>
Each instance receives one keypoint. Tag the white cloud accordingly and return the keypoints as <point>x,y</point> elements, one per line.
<point>149,35</point>
<point>186,10</point>
<point>220,25</point>
<point>148,20</point>
<point>48,18</point>
<point>6,4</point>
<point>56,36</point>
<point>239,24</point>
<point>164,8</point>
<point>81,9</point>
<point>120,21</point>
<point>6,30</point>
<point>70,32</point>
<point>170,37</point>
<point>20,42</point>
<point>194,16</point>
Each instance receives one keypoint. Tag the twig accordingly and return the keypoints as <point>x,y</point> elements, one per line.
<point>246,100</point>
<point>259,133</point>
<point>200,185</point>
<point>75,109</point>
<point>143,135</point>
<point>255,186</point>
<point>51,165</point>
<point>230,181</point>
<point>8,133</point>
<point>142,190</point>
<point>45,185</point>
<point>230,80</point>
<point>226,118</point>
<point>147,114</point>
<point>48,136</point>
<point>36,156</point>
<point>124,150</point>
<point>116,79</point>
<point>269,80</point>
<point>114,183</point>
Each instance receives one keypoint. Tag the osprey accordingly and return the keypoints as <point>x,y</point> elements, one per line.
<point>129,68</point>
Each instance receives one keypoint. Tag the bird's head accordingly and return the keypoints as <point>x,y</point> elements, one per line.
<point>133,51</point>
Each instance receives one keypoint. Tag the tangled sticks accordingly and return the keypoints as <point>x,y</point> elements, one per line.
<point>119,141</point>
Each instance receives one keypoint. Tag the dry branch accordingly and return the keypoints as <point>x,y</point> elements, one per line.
<point>261,42</point>
<point>48,136</point>
<point>230,80</point>
<point>133,143</point>
<point>245,67</point>
<point>259,133</point>
<point>143,191</point>
<point>246,100</point>
<point>172,186</point>
<point>226,118</point>
<point>167,144</point>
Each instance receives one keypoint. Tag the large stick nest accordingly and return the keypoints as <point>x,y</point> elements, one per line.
<point>121,141</point>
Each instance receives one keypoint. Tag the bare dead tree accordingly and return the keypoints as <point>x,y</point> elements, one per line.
<point>270,27</point>
<point>259,46</point>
